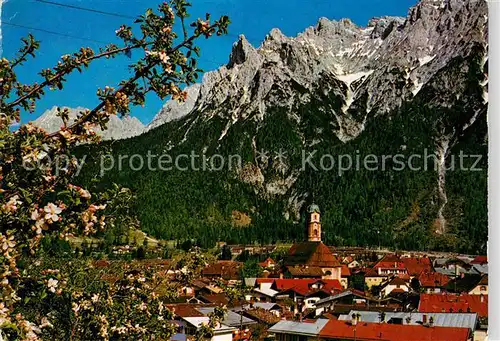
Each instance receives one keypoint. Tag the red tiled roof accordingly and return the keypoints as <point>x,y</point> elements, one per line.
<point>415,266</point>
<point>405,277</point>
<point>390,265</point>
<point>345,272</point>
<point>264,280</point>
<point>344,330</point>
<point>390,262</point>
<point>303,286</point>
<point>433,280</point>
<point>436,303</point>
<point>480,260</point>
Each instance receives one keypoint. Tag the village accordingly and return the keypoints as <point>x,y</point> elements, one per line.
<point>328,293</point>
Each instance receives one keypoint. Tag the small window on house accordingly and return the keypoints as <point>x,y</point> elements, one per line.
<point>483,288</point>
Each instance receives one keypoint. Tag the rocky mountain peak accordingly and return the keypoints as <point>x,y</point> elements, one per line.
<point>370,70</point>
<point>384,26</point>
<point>242,50</point>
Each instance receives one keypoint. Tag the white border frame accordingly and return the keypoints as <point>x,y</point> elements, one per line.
<point>494,169</point>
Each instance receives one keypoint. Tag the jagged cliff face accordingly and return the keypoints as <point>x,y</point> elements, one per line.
<point>398,85</point>
<point>356,72</point>
<point>369,70</point>
<point>117,128</point>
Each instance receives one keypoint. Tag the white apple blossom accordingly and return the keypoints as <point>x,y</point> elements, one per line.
<point>51,212</point>
<point>52,284</point>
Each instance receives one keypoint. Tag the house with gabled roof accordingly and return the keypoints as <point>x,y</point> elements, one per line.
<point>417,265</point>
<point>433,282</point>
<point>391,265</point>
<point>304,293</point>
<point>481,288</point>
<point>373,278</point>
<point>395,285</point>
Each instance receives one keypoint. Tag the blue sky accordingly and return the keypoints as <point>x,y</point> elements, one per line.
<point>253,18</point>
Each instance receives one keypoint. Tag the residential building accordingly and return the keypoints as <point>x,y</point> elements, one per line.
<point>390,265</point>
<point>373,278</point>
<point>189,318</point>
<point>351,262</point>
<point>481,260</point>
<point>395,285</point>
<point>453,267</point>
<point>298,331</point>
<point>348,297</point>
<point>304,293</point>
<point>433,282</point>
<point>188,326</point>
<point>417,265</point>
<point>262,291</point>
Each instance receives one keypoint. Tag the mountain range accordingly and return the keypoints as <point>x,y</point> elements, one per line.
<point>409,86</point>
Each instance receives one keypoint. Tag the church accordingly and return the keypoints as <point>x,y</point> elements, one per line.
<point>312,259</point>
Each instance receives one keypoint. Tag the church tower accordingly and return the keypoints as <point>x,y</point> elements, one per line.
<point>314,224</point>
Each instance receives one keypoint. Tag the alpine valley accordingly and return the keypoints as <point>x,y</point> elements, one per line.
<point>408,86</point>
